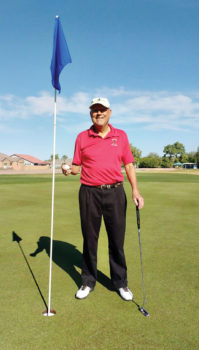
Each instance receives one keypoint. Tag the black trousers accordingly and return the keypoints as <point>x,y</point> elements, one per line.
<point>110,204</point>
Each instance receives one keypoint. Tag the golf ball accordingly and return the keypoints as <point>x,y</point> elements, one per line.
<point>65,167</point>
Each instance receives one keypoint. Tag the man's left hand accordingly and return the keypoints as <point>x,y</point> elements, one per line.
<point>138,199</point>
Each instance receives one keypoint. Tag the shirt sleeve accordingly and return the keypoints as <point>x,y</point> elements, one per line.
<point>77,152</point>
<point>127,156</point>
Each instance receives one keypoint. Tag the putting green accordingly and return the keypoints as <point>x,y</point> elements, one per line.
<point>169,234</point>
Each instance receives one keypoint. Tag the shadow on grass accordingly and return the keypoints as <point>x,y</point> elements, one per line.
<point>66,256</point>
<point>17,239</point>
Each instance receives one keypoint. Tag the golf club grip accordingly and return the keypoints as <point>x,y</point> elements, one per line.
<point>138,216</point>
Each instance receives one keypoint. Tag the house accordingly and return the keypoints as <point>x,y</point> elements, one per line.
<point>30,160</point>
<point>22,162</point>
<point>8,162</point>
<point>5,161</point>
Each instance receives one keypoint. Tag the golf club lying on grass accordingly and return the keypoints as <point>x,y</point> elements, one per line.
<point>141,308</point>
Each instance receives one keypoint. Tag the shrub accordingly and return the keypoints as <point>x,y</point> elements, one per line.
<point>150,162</point>
<point>167,162</point>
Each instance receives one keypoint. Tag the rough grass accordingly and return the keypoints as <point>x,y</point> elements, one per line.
<point>169,232</point>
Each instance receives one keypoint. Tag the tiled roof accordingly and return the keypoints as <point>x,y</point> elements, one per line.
<point>30,159</point>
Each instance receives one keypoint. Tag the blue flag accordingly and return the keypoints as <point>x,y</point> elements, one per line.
<point>61,55</point>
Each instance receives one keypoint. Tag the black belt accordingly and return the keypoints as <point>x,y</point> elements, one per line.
<point>107,187</point>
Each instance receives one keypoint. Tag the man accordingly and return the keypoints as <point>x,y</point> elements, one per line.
<point>99,152</point>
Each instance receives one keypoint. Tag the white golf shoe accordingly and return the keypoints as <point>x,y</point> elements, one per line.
<point>83,292</point>
<point>125,293</point>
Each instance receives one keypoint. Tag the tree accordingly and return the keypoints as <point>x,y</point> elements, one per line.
<point>169,151</point>
<point>150,162</point>
<point>136,153</point>
<point>179,150</point>
<point>56,156</point>
<point>197,157</point>
<point>153,155</point>
<point>184,158</point>
<point>191,157</point>
<point>175,151</point>
<point>64,157</point>
<point>166,162</point>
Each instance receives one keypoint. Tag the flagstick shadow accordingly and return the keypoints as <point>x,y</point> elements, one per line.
<point>17,239</point>
<point>66,256</point>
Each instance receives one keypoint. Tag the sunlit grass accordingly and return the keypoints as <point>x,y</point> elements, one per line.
<point>169,233</point>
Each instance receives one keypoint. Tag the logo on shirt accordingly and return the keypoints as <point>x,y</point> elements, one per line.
<point>114,142</point>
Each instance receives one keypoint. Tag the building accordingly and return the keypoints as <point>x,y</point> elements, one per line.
<point>9,162</point>
<point>185,165</point>
<point>5,161</point>
<point>190,166</point>
<point>22,162</point>
<point>30,160</point>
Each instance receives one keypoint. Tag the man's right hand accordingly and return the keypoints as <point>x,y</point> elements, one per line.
<point>66,172</point>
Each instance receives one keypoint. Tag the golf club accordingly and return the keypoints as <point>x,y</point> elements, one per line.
<point>141,308</point>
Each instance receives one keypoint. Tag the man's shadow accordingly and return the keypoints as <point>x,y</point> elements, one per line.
<point>66,256</point>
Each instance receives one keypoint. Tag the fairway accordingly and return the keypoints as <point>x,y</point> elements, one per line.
<point>169,235</point>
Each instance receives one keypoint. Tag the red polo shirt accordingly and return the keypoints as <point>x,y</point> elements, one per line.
<point>101,158</point>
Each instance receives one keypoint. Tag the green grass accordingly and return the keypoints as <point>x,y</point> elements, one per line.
<point>169,233</point>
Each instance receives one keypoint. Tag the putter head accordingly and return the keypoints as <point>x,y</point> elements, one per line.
<point>143,311</point>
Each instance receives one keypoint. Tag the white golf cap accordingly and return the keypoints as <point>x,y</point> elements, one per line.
<point>100,101</point>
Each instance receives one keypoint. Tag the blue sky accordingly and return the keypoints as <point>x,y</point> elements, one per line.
<point>143,55</point>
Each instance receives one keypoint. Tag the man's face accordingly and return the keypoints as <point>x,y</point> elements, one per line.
<point>100,115</point>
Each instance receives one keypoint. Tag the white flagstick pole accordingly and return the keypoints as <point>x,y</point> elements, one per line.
<point>49,311</point>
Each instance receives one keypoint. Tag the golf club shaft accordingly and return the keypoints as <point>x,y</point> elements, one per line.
<point>140,246</point>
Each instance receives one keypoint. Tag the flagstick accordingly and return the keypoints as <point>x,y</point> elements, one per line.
<point>52,312</point>
<point>60,58</point>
